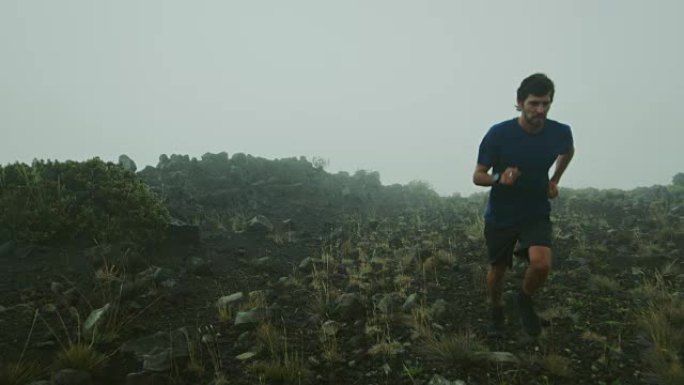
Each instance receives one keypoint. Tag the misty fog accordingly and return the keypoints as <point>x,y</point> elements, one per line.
<point>407,89</point>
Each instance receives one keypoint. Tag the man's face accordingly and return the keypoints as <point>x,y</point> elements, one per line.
<point>534,109</point>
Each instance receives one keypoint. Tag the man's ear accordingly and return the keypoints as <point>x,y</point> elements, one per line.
<point>519,105</point>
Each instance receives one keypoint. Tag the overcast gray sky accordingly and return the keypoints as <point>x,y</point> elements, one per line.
<point>405,88</point>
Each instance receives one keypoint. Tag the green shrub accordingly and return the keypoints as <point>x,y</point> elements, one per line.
<point>92,200</point>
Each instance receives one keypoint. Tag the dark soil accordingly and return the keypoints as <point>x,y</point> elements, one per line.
<point>591,328</point>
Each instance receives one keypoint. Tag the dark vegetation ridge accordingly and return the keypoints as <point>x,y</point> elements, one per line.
<point>244,270</point>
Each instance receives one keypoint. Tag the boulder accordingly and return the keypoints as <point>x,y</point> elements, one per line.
<point>127,163</point>
<point>73,377</point>
<point>145,378</point>
<point>174,343</point>
<point>349,307</point>
<point>201,267</point>
<point>7,249</point>
<point>183,233</point>
<point>259,225</point>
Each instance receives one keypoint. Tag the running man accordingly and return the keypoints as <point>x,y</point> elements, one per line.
<point>520,152</point>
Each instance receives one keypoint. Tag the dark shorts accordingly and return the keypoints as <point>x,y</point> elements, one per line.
<point>501,242</point>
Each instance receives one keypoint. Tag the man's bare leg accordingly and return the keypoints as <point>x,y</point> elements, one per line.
<point>535,276</point>
<point>495,277</point>
<point>538,269</point>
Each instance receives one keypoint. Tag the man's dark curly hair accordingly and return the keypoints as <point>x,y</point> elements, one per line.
<point>536,84</point>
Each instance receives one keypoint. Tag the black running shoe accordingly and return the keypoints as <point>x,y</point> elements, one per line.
<point>496,325</point>
<point>528,316</point>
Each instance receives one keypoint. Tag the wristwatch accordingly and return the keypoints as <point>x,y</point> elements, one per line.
<point>495,178</point>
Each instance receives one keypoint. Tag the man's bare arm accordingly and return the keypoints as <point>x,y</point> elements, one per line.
<point>481,177</point>
<point>562,163</point>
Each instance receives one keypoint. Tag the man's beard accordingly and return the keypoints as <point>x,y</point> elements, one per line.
<point>536,122</point>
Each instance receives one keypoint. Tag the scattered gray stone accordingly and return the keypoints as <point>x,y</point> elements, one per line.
<point>228,300</point>
<point>158,360</point>
<point>680,279</point>
<point>245,356</point>
<point>131,288</point>
<point>252,316</point>
<point>498,357</point>
<point>262,262</point>
<point>7,249</point>
<point>56,287</point>
<point>330,328</point>
<point>314,361</point>
<point>259,224</point>
<point>439,309</point>
<point>410,303</point>
<point>161,274</point>
<point>145,378</point>
<point>73,377</point>
<point>70,296</point>
<point>349,306</point>
<point>306,263</point>
<point>243,337</point>
<point>160,341</point>
<point>182,232</point>
<point>387,303</point>
<point>99,254</point>
<point>169,283</point>
<point>200,266</point>
<point>45,344</point>
<point>439,380</point>
<point>95,318</point>
<point>356,341</point>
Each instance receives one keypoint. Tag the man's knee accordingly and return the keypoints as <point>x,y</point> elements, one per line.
<point>496,273</point>
<point>540,258</point>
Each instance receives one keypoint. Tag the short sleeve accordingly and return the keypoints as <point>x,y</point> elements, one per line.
<point>567,142</point>
<point>486,154</point>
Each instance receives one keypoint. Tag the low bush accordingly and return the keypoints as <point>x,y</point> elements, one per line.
<point>93,201</point>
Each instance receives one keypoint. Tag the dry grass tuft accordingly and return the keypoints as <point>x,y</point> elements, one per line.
<point>450,349</point>
<point>288,370</point>
<point>420,321</point>
<point>19,373</point>
<point>663,323</point>
<point>80,357</point>
<point>558,365</point>
<point>270,339</point>
<point>386,348</point>
<point>603,283</point>
<point>560,312</point>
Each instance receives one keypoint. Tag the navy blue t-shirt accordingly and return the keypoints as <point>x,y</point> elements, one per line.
<point>506,145</point>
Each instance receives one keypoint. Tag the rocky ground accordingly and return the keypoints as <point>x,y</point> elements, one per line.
<point>363,302</point>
